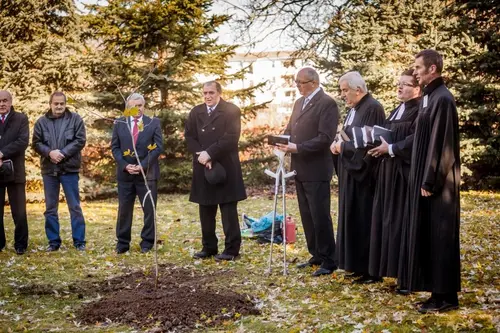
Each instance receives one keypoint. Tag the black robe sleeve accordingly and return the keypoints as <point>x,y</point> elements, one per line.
<point>441,154</point>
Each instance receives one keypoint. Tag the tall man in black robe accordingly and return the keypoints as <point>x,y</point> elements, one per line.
<point>392,180</point>
<point>312,128</point>
<point>430,259</point>
<point>212,133</point>
<point>356,184</point>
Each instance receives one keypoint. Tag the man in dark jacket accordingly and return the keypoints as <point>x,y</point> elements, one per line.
<point>136,133</point>
<point>312,128</point>
<point>59,137</point>
<point>14,138</point>
<point>212,133</point>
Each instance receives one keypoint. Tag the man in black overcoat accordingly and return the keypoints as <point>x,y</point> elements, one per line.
<point>145,134</point>
<point>392,180</point>
<point>312,128</point>
<point>212,133</point>
<point>356,179</point>
<point>14,138</point>
<point>430,259</point>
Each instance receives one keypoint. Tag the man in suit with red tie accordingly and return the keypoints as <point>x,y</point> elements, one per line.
<point>312,128</point>
<point>212,132</point>
<point>14,138</point>
<point>143,133</point>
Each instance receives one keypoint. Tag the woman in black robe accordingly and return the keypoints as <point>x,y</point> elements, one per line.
<point>392,180</point>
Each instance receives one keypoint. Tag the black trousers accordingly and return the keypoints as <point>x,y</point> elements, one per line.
<point>17,200</point>
<point>127,192</point>
<point>314,207</point>
<point>230,224</point>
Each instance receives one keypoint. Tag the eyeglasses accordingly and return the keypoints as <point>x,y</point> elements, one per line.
<point>404,84</point>
<point>302,82</point>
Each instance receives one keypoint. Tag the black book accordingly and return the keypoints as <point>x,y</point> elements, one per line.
<point>357,137</point>
<point>275,139</point>
<point>381,132</point>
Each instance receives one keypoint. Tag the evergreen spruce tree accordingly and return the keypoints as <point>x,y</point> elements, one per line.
<point>478,82</point>
<point>39,48</point>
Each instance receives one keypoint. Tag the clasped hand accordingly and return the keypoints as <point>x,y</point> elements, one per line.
<point>203,157</point>
<point>133,169</point>
<point>336,147</point>
<point>56,156</point>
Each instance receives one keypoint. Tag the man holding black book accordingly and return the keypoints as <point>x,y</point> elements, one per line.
<point>394,157</point>
<point>312,128</point>
<point>356,186</point>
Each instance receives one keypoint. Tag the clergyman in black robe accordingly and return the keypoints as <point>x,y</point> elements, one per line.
<point>392,180</point>
<point>356,181</point>
<point>430,259</point>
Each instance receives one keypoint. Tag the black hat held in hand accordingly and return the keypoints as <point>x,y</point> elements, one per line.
<point>216,175</point>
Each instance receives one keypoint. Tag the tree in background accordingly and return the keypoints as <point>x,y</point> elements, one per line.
<point>161,48</point>
<point>477,80</point>
<point>39,49</point>
<point>380,39</point>
<point>40,52</point>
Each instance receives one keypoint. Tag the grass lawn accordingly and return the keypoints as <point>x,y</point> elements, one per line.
<point>295,303</point>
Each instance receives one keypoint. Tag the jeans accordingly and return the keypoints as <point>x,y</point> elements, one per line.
<point>51,186</point>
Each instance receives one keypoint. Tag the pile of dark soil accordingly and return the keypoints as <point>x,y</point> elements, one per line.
<point>183,300</point>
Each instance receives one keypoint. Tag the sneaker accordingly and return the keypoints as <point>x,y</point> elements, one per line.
<point>80,247</point>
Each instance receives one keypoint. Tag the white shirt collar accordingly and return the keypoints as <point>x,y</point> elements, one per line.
<point>132,119</point>
<point>311,95</point>
<point>212,107</point>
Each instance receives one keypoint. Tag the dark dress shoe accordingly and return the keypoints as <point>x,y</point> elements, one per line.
<point>225,257</point>
<point>434,305</point>
<point>308,264</point>
<point>322,271</point>
<point>145,249</point>
<point>367,279</point>
<point>121,250</point>
<point>404,292</point>
<point>52,248</point>
<point>353,275</point>
<point>21,250</point>
<point>203,255</point>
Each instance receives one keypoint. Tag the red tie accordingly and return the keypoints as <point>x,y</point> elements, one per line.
<point>135,130</point>
<point>3,119</point>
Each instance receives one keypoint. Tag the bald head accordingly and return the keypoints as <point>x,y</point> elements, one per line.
<point>5,102</point>
<point>307,80</point>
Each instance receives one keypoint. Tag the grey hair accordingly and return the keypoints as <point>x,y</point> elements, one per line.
<point>354,80</point>
<point>311,74</point>
<point>8,94</point>
<point>135,97</point>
